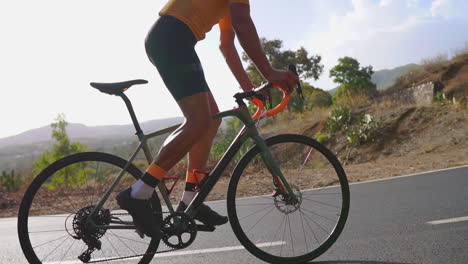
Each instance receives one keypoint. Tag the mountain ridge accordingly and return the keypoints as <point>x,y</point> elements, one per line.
<point>77,131</point>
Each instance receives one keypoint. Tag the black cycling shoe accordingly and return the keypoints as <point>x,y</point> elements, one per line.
<point>205,215</point>
<point>141,212</point>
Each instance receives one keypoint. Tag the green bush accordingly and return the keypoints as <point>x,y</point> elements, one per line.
<point>10,181</point>
<point>441,99</point>
<point>366,130</point>
<point>321,137</point>
<point>340,119</point>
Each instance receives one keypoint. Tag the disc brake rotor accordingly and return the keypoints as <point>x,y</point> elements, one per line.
<point>286,204</point>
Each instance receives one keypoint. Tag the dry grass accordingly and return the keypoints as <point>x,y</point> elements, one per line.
<point>356,101</point>
<point>461,53</point>
<point>436,63</point>
<point>295,122</point>
<point>386,105</point>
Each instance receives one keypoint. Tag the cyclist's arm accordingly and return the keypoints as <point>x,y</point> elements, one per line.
<point>248,38</point>
<point>231,55</point>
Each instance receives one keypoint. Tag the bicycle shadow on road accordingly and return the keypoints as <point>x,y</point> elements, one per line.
<point>355,262</point>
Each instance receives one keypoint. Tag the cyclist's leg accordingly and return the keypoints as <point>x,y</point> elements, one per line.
<point>197,114</point>
<point>197,158</point>
<point>170,46</point>
<point>199,153</point>
<point>196,110</point>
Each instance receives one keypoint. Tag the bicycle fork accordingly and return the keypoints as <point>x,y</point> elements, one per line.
<point>278,178</point>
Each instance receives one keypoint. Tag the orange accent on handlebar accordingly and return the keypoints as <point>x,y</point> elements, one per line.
<point>259,103</point>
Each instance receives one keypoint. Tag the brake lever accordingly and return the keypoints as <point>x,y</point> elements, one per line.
<point>264,92</point>
<point>270,102</point>
<point>293,68</point>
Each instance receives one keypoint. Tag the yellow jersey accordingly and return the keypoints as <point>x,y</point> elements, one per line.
<point>199,15</point>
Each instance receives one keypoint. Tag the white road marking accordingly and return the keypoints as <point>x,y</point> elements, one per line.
<point>213,250</point>
<point>187,252</point>
<point>447,221</point>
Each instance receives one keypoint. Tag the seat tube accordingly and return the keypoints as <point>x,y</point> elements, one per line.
<point>271,164</point>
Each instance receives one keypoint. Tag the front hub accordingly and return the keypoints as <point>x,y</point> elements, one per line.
<point>287,204</point>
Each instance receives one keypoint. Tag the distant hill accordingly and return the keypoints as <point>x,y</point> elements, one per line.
<point>386,78</point>
<point>80,131</point>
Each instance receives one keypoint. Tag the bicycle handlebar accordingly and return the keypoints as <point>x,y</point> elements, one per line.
<point>260,105</point>
<point>259,92</point>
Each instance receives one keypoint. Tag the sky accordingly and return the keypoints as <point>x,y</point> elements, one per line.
<point>51,50</point>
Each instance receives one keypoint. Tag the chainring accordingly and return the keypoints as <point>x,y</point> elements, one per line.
<point>181,227</point>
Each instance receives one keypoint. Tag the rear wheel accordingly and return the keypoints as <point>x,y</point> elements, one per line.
<point>275,228</point>
<point>53,212</point>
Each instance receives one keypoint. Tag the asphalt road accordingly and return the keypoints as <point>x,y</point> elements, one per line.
<point>415,219</point>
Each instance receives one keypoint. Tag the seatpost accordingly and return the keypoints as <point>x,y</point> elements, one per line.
<point>139,132</point>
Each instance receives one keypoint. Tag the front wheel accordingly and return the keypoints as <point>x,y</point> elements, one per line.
<point>275,228</point>
<point>52,216</point>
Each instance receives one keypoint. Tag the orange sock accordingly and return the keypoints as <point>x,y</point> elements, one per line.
<point>192,181</point>
<point>154,174</point>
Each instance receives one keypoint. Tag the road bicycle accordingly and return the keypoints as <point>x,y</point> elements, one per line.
<point>287,201</point>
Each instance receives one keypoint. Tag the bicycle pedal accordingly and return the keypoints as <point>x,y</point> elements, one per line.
<point>205,228</point>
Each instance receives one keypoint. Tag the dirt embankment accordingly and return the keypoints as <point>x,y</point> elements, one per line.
<point>413,131</point>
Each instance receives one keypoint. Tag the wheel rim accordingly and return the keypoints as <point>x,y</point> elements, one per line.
<point>55,230</point>
<point>276,231</point>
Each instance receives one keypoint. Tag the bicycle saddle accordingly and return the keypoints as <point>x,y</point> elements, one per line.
<point>116,88</point>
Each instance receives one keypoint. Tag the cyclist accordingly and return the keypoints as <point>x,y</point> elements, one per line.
<point>170,47</point>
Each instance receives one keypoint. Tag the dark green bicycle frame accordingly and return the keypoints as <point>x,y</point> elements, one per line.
<point>249,131</point>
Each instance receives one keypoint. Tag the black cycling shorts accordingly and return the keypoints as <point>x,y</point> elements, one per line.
<point>170,46</point>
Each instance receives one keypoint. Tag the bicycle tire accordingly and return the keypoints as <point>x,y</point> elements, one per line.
<point>46,176</point>
<point>277,145</point>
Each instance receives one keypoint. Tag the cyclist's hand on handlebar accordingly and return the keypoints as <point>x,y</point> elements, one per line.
<point>284,78</point>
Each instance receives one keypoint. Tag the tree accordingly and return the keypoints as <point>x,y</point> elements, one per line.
<point>10,181</point>
<point>307,67</point>
<point>353,78</point>
<point>61,148</point>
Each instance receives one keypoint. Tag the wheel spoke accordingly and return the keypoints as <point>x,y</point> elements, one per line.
<point>71,246</point>
<point>282,239</point>
<point>313,233</point>
<point>48,231</point>
<point>50,253</point>
<point>290,235</point>
<point>256,212</point>
<point>50,241</point>
<point>331,220</point>
<point>303,231</point>
<point>317,224</point>
<point>315,201</point>
<point>261,219</point>
<point>112,233</point>
<point>112,245</point>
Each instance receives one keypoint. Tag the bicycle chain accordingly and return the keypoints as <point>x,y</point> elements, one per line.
<point>134,256</point>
